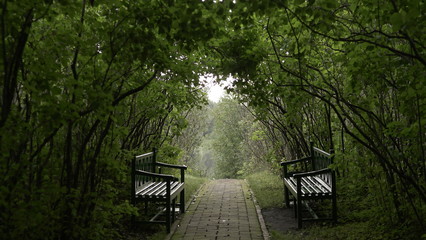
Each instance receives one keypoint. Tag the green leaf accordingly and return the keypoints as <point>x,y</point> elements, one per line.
<point>299,2</point>
<point>397,21</point>
<point>330,4</point>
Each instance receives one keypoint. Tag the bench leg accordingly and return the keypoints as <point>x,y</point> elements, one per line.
<point>334,208</point>
<point>286,197</point>
<point>299,213</point>
<point>168,214</point>
<point>182,202</point>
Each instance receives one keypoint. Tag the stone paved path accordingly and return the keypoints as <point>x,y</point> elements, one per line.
<point>223,209</point>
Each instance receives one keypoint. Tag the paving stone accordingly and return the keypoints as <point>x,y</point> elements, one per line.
<point>223,210</point>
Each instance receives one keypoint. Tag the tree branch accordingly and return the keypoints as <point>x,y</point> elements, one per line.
<point>135,90</point>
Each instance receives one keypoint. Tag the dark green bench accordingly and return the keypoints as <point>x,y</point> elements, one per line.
<point>312,179</point>
<point>150,185</point>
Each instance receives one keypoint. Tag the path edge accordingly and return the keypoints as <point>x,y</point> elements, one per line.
<point>265,231</point>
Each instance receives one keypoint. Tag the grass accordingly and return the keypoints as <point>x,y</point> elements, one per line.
<point>192,184</point>
<point>346,231</point>
<point>267,188</point>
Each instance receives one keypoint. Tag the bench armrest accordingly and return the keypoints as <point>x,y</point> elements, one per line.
<point>295,161</point>
<point>181,167</point>
<point>154,175</point>
<point>285,164</point>
<point>161,164</point>
<point>312,173</point>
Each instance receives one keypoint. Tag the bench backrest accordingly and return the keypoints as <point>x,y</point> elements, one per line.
<point>320,160</point>
<point>144,162</point>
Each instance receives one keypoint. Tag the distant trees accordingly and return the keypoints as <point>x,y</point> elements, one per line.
<point>226,141</point>
<point>227,138</point>
<point>197,124</point>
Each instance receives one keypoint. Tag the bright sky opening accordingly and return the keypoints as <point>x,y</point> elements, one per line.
<point>215,91</point>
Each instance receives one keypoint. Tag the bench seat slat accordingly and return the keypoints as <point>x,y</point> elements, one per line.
<point>306,188</point>
<point>318,189</point>
<point>142,187</point>
<point>173,187</point>
<point>163,190</point>
<point>152,190</point>
<point>320,183</point>
<point>310,186</point>
<point>158,190</point>
<point>291,183</point>
<point>149,188</point>
<point>176,189</point>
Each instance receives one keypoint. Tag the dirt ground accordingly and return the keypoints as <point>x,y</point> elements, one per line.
<point>279,219</point>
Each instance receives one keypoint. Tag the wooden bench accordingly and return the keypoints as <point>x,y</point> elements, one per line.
<point>149,185</point>
<point>311,180</point>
